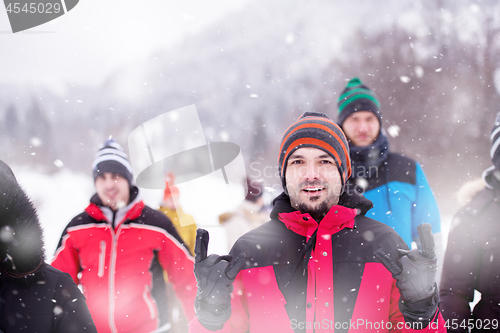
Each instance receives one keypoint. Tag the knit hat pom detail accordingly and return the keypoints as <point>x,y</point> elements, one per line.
<point>354,82</point>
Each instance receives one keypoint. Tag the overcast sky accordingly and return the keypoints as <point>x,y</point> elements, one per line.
<point>96,37</point>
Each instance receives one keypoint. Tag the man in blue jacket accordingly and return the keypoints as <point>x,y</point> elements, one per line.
<point>395,184</point>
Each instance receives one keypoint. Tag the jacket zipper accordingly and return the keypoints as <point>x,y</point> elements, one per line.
<point>112,266</point>
<point>102,258</point>
<point>149,303</point>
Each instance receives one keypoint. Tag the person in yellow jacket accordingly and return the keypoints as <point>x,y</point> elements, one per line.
<point>186,228</point>
<point>183,223</point>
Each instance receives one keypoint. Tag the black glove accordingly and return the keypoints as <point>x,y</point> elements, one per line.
<point>214,276</point>
<point>415,273</point>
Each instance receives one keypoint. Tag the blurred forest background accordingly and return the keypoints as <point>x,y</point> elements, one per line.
<point>432,63</point>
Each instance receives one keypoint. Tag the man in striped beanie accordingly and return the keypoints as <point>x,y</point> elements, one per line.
<point>112,158</point>
<point>118,249</point>
<point>315,261</point>
<point>112,162</point>
<point>314,130</point>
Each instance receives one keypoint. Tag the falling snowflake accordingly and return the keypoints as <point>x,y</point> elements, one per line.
<point>419,71</point>
<point>6,234</point>
<point>57,310</point>
<point>404,79</point>
<point>58,163</point>
<point>35,142</point>
<point>393,131</point>
<point>369,235</point>
<point>362,182</point>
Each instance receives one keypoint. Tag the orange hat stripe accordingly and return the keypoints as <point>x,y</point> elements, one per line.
<point>319,143</point>
<point>323,127</point>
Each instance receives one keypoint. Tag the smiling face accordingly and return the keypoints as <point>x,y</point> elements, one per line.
<point>113,190</point>
<point>313,181</point>
<point>361,128</point>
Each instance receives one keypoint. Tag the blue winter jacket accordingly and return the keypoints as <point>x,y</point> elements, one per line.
<point>402,198</point>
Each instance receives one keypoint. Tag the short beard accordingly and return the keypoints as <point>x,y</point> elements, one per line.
<point>317,213</point>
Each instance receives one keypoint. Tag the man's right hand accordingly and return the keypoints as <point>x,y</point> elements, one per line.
<point>415,273</point>
<point>214,276</point>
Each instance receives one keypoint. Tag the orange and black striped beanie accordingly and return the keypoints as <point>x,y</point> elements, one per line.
<point>316,130</point>
<point>357,97</point>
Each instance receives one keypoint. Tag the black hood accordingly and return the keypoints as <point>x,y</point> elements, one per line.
<point>281,204</point>
<point>21,241</point>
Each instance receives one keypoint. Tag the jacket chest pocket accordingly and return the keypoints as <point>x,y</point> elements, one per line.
<point>102,259</point>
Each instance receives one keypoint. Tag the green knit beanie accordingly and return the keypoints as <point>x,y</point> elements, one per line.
<point>357,97</point>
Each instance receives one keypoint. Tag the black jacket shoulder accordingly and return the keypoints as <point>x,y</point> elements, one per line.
<point>47,301</point>
<point>270,244</point>
<point>400,168</point>
<point>157,219</point>
<point>397,168</point>
<point>273,244</point>
<point>81,219</point>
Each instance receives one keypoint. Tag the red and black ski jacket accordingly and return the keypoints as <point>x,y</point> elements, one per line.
<point>115,256</point>
<point>302,276</point>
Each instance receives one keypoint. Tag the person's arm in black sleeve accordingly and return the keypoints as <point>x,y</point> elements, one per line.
<point>460,273</point>
<point>71,313</point>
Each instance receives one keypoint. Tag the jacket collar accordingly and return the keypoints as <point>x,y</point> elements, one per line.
<point>338,217</point>
<point>102,213</point>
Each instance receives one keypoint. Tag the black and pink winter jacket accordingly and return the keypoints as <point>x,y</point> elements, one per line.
<point>341,288</point>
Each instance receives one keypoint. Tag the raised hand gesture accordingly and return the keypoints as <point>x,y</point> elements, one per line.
<point>214,276</point>
<point>415,273</point>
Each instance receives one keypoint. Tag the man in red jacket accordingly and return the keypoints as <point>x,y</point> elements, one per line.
<point>319,265</point>
<point>117,250</point>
